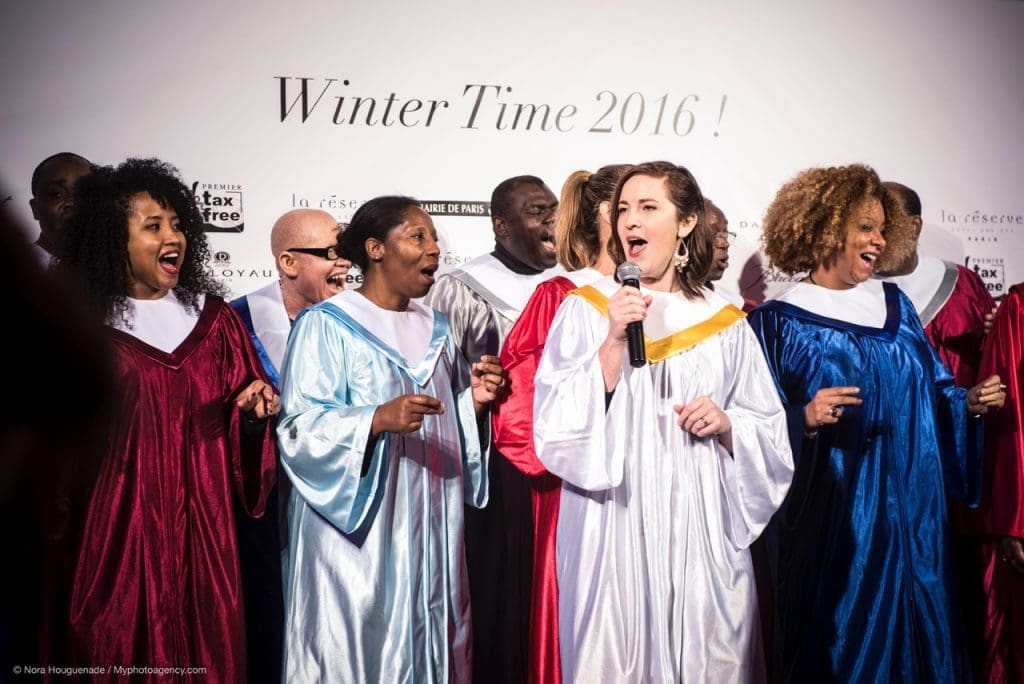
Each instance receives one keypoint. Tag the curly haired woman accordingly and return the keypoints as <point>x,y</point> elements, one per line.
<point>880,435</point>
<point>157,580</point>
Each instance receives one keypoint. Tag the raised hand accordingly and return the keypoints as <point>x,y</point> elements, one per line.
<point>988,394</point>
<point>487,377</point>
<point>990,316</point>
<point>826,407</point>
<point>405,413</point>
<point>624,307</point>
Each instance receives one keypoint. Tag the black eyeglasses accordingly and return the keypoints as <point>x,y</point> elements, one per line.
<point>724,238</point>
<point>329,253</point>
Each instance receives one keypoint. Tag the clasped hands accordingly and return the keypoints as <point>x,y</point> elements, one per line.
<point>988,394</point>
<point>258,400</point>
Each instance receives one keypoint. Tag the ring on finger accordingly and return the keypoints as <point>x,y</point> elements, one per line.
<point>833,411</point>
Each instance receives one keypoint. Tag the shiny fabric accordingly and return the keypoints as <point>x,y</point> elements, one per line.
<point>157,581</point>
<point>859,550</point>
<point>482,300</point>
<point>512,425</point>
<point>1001,512</point>
<point>375,584</point>
<point>958,329</point>
<point>265,317</point>
<point>260,540</point>
<point>655,577</point>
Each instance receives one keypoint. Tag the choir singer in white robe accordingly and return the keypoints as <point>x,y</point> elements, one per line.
<point>670,469</point>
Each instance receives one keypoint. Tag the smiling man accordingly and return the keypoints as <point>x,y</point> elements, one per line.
<point>482,300</point>
<point>304,245</point>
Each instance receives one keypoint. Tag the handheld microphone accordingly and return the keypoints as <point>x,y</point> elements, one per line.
<point>629,275</point>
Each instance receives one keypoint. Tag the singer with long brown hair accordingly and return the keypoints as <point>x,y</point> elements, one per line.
<point>672,467</point>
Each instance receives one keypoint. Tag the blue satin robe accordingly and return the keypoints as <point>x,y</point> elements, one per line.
<point>860,551</point>
<point>375,583</point>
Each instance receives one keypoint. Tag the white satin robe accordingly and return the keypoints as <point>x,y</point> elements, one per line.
<point>375,584</point>
<point>655,576</point>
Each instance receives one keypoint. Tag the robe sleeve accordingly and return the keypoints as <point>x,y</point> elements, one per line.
<point>757,477</point>
<point>474,433</point>
<point>324,438</point>
<point>251,444</point>
<point>775,344</point>
<point>1004,429</point>
<point>960,435</point>
<point>512,421</point>
<point>575,438</point>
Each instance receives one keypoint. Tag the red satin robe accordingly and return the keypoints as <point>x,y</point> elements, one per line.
<point>512,425</point>
<point>157,582</point>
<point>1001,512</point>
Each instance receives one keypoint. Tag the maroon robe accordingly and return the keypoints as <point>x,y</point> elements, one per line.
<point>957,330</point>
<point>157,581</point>
<point>1001,513</point>
<point>512,425</point>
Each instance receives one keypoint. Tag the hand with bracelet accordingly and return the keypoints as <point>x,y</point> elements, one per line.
<point>826,407</point>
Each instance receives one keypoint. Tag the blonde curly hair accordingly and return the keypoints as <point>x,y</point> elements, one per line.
<point>804,226</point>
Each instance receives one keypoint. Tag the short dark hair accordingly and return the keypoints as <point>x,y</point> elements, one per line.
<point>905,196</point>
<point>501,203</point>
<point>53,157</point>
<point>374,219</point>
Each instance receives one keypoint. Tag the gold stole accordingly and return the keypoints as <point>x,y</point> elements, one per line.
<point>659,350</point>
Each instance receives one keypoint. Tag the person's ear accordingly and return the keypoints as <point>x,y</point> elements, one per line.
<point>374,249</point>
<point>686,226</point>
<point>500,227</point>
<point>35,212</point>
<point>604,211</point>
<point>918,225</point>
<point>287,265</point>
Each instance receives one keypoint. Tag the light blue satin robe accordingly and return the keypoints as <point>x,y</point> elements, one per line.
<point>375,583</point>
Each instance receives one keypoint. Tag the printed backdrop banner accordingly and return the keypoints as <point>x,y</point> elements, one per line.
<point>268,106</point>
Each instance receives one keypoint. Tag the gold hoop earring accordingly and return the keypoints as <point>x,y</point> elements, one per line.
<point>681,259</point>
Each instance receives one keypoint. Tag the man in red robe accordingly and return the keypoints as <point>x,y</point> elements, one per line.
<point>1000,517</point>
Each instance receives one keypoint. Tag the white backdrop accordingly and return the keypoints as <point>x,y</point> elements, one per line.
<point>744,94</point>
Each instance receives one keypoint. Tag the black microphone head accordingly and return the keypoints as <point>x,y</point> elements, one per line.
<point>627,270</point>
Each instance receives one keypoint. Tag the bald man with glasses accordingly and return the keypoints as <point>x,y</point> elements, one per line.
<point>304,245</point>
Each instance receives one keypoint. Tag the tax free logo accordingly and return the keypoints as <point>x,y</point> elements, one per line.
<point>220,205</point>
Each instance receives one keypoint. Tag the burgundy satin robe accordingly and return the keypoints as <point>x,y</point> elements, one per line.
<point>1001,512</point>
<point>157,581</point>
<point>958,329</point>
